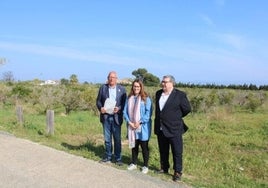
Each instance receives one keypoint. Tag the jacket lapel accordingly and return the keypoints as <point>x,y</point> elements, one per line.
<point>169,100</point>
<point>106,91</point>
<point>117,92</point>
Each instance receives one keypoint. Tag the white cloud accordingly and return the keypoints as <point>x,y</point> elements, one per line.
<point>62,52</point>
<point>160,57</point>
<point>235,41</point>
<point>206,19</point>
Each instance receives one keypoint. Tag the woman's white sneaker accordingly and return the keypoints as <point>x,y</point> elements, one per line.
<point>132,167</point>
<point>144,170</point>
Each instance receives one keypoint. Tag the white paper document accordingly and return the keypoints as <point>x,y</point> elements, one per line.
<point>109,105</point>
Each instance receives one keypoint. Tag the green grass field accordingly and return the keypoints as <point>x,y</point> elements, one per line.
<point>221,148</point>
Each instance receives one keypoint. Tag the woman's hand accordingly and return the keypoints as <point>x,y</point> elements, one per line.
<point>132,125</point>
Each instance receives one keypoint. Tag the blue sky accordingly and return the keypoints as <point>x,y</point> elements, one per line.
<point>196,41</point>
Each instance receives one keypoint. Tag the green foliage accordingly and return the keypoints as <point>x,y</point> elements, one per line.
<point>21,90</point>
<point>151,80</point>
<point>196,102</point>
<point>226,145</point>
<point>252,103</point>
<point>225,97</point>
<point>231,86</point>
<point>211,99</point>
<point>148,78</point>
<point>230,146</point>
<point>73,79</point>
<point>4,93</point>
<point>70,98</point>
<point>45,97</point>
<point>221,149</point>
<point>82,96</point>
<point>139,73</point>
<point>89,96</point>
<point>64,81</point>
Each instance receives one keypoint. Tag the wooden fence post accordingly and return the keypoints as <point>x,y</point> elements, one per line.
<point>50,122</point>
<point>19,112</point>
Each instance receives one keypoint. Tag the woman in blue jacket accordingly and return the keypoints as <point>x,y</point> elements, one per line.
<point>137,113</point>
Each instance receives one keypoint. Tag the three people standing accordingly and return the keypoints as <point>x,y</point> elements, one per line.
<point>171,105</point>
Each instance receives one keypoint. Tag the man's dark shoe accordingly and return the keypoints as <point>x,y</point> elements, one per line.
<point>105,160</point>
<point>119,163</point>
<point>162,171</point>
<point>177,176</point>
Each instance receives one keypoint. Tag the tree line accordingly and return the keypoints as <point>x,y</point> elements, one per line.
<point>151,80</point>
<point>231,86</point>
<point>73,96</point>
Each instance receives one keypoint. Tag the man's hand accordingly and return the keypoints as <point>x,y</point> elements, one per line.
<point>116,109</point>
<point>103,111</point>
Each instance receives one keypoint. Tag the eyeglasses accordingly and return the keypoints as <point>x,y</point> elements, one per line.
<point>164,82</point>
<point>112,77</point>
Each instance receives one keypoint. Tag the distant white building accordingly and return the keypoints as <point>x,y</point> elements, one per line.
<point>125,81</point>
<point>49,82</point>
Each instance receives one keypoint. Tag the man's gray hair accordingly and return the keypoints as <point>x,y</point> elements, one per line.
<point>171,78</point>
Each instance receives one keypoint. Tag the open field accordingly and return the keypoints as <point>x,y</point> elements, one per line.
<point>226,144</point>
<point>222,149</point>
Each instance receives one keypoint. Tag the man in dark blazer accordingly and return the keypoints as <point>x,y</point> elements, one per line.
<point>111,116</point>
<point>171,105</point>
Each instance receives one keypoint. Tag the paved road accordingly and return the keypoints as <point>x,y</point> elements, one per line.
<point>27,164</point>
